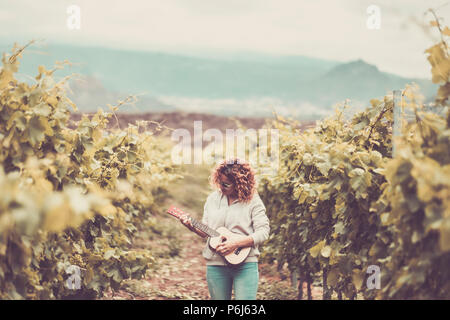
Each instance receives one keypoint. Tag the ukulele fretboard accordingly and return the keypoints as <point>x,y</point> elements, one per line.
<point>202,227</point>
<point>176,212</point>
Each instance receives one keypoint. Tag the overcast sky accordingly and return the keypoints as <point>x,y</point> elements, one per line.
<point>330,29</point>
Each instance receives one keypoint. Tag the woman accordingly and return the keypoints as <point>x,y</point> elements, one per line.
<point>235,205</point>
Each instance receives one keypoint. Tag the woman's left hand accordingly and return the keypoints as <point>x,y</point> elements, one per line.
<point>226,247</point>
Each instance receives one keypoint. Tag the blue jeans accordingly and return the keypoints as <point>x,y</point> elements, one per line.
<point>244,277</point>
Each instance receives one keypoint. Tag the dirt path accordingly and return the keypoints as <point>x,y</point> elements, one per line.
<point>183,276</point>
<point>179,277</point>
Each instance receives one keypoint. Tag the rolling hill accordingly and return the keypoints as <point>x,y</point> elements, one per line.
<point>241,84</point>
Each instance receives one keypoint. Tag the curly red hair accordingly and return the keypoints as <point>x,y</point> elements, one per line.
<point>242,175</point>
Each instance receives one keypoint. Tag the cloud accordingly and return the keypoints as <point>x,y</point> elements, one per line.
<point>322,28</point>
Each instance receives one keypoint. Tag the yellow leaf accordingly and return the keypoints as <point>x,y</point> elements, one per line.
<point>326,251</point>
<point>332,277</point>
<point>440,64</point>
<point>444,239</point>
<point>446,31</point>
<point>107,210</point>
<point>58,213</point>
<point>358,278</point>
<point>314,251</point>
<point>41,69</point>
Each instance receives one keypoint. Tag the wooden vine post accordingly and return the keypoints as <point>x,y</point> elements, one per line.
<point>397,125</point>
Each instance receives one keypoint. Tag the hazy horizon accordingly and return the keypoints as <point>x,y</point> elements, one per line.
<point>40,45</point>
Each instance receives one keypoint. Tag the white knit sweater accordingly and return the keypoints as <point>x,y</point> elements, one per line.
<point>248,219</point>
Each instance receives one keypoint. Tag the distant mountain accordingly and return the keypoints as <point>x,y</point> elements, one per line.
<point>89,94</point>
<point>222,84</point>
<point>359,81</point>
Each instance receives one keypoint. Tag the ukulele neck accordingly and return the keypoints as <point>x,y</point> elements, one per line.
<point>176,212</point>
<point>202,227</point>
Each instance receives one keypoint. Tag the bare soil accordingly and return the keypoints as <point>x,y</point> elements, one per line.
<point>186,120</point>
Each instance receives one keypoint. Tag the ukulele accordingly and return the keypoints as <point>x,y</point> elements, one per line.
<point>218,236</point>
